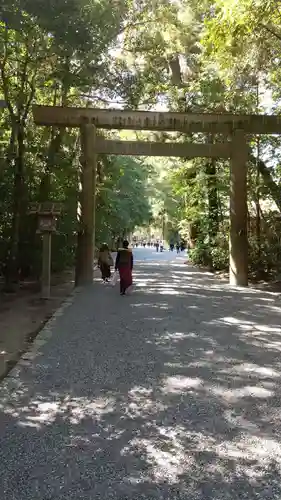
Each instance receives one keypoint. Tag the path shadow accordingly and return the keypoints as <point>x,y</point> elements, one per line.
<point>173,393</point>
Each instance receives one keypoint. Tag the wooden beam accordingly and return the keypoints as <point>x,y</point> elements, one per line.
<point>238,239</point>
<point>152,120</point>
<point>136,148</point>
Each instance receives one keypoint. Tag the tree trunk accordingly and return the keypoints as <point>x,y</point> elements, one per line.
<point>18,210</point>
<point>213,201</point>
<point>56,138</point>
<point>273,188</point>
<point>53,150</point>
<point>258,214</point>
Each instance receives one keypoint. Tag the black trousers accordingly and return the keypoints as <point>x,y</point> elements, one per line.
<point>122,286</point>
<point>105,271</point>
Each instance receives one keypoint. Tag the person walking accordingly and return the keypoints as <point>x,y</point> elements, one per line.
<point>124,264</point>
<point>105,261</point>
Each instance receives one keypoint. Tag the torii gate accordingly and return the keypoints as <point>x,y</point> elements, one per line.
<point>231,125</point>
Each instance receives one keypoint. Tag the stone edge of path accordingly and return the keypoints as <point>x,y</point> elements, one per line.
<point>39,337</point>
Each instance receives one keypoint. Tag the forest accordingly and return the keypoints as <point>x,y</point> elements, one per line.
<point>207,56</point>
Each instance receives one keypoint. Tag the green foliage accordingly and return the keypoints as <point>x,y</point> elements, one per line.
<point>58,53</point>
<point>122,201</point>
<point>200,255</point>
<point>221,55</point>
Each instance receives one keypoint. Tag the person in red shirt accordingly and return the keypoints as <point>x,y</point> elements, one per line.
<point>124,264</point>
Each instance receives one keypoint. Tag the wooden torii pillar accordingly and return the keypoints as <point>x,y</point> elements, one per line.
<point>86,232</point>
<point>238,238</point>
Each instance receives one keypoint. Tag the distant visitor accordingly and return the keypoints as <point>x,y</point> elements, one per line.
<point>105,261</point>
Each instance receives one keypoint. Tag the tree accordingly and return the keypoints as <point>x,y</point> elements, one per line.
<point>212,56</point>
<point>47,55</point>
<point>122,201</point>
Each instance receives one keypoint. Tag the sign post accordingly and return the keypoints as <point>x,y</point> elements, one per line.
<point>46,265</point>
<point>47,214</point>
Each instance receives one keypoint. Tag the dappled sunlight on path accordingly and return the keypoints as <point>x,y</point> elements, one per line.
<point>172,392</point>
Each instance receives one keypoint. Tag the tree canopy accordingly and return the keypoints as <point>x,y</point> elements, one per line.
<point>219,55</point>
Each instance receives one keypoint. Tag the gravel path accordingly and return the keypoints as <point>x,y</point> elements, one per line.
<point>170,393</point>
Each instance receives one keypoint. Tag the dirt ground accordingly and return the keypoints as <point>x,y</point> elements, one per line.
<point>24,313</point>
